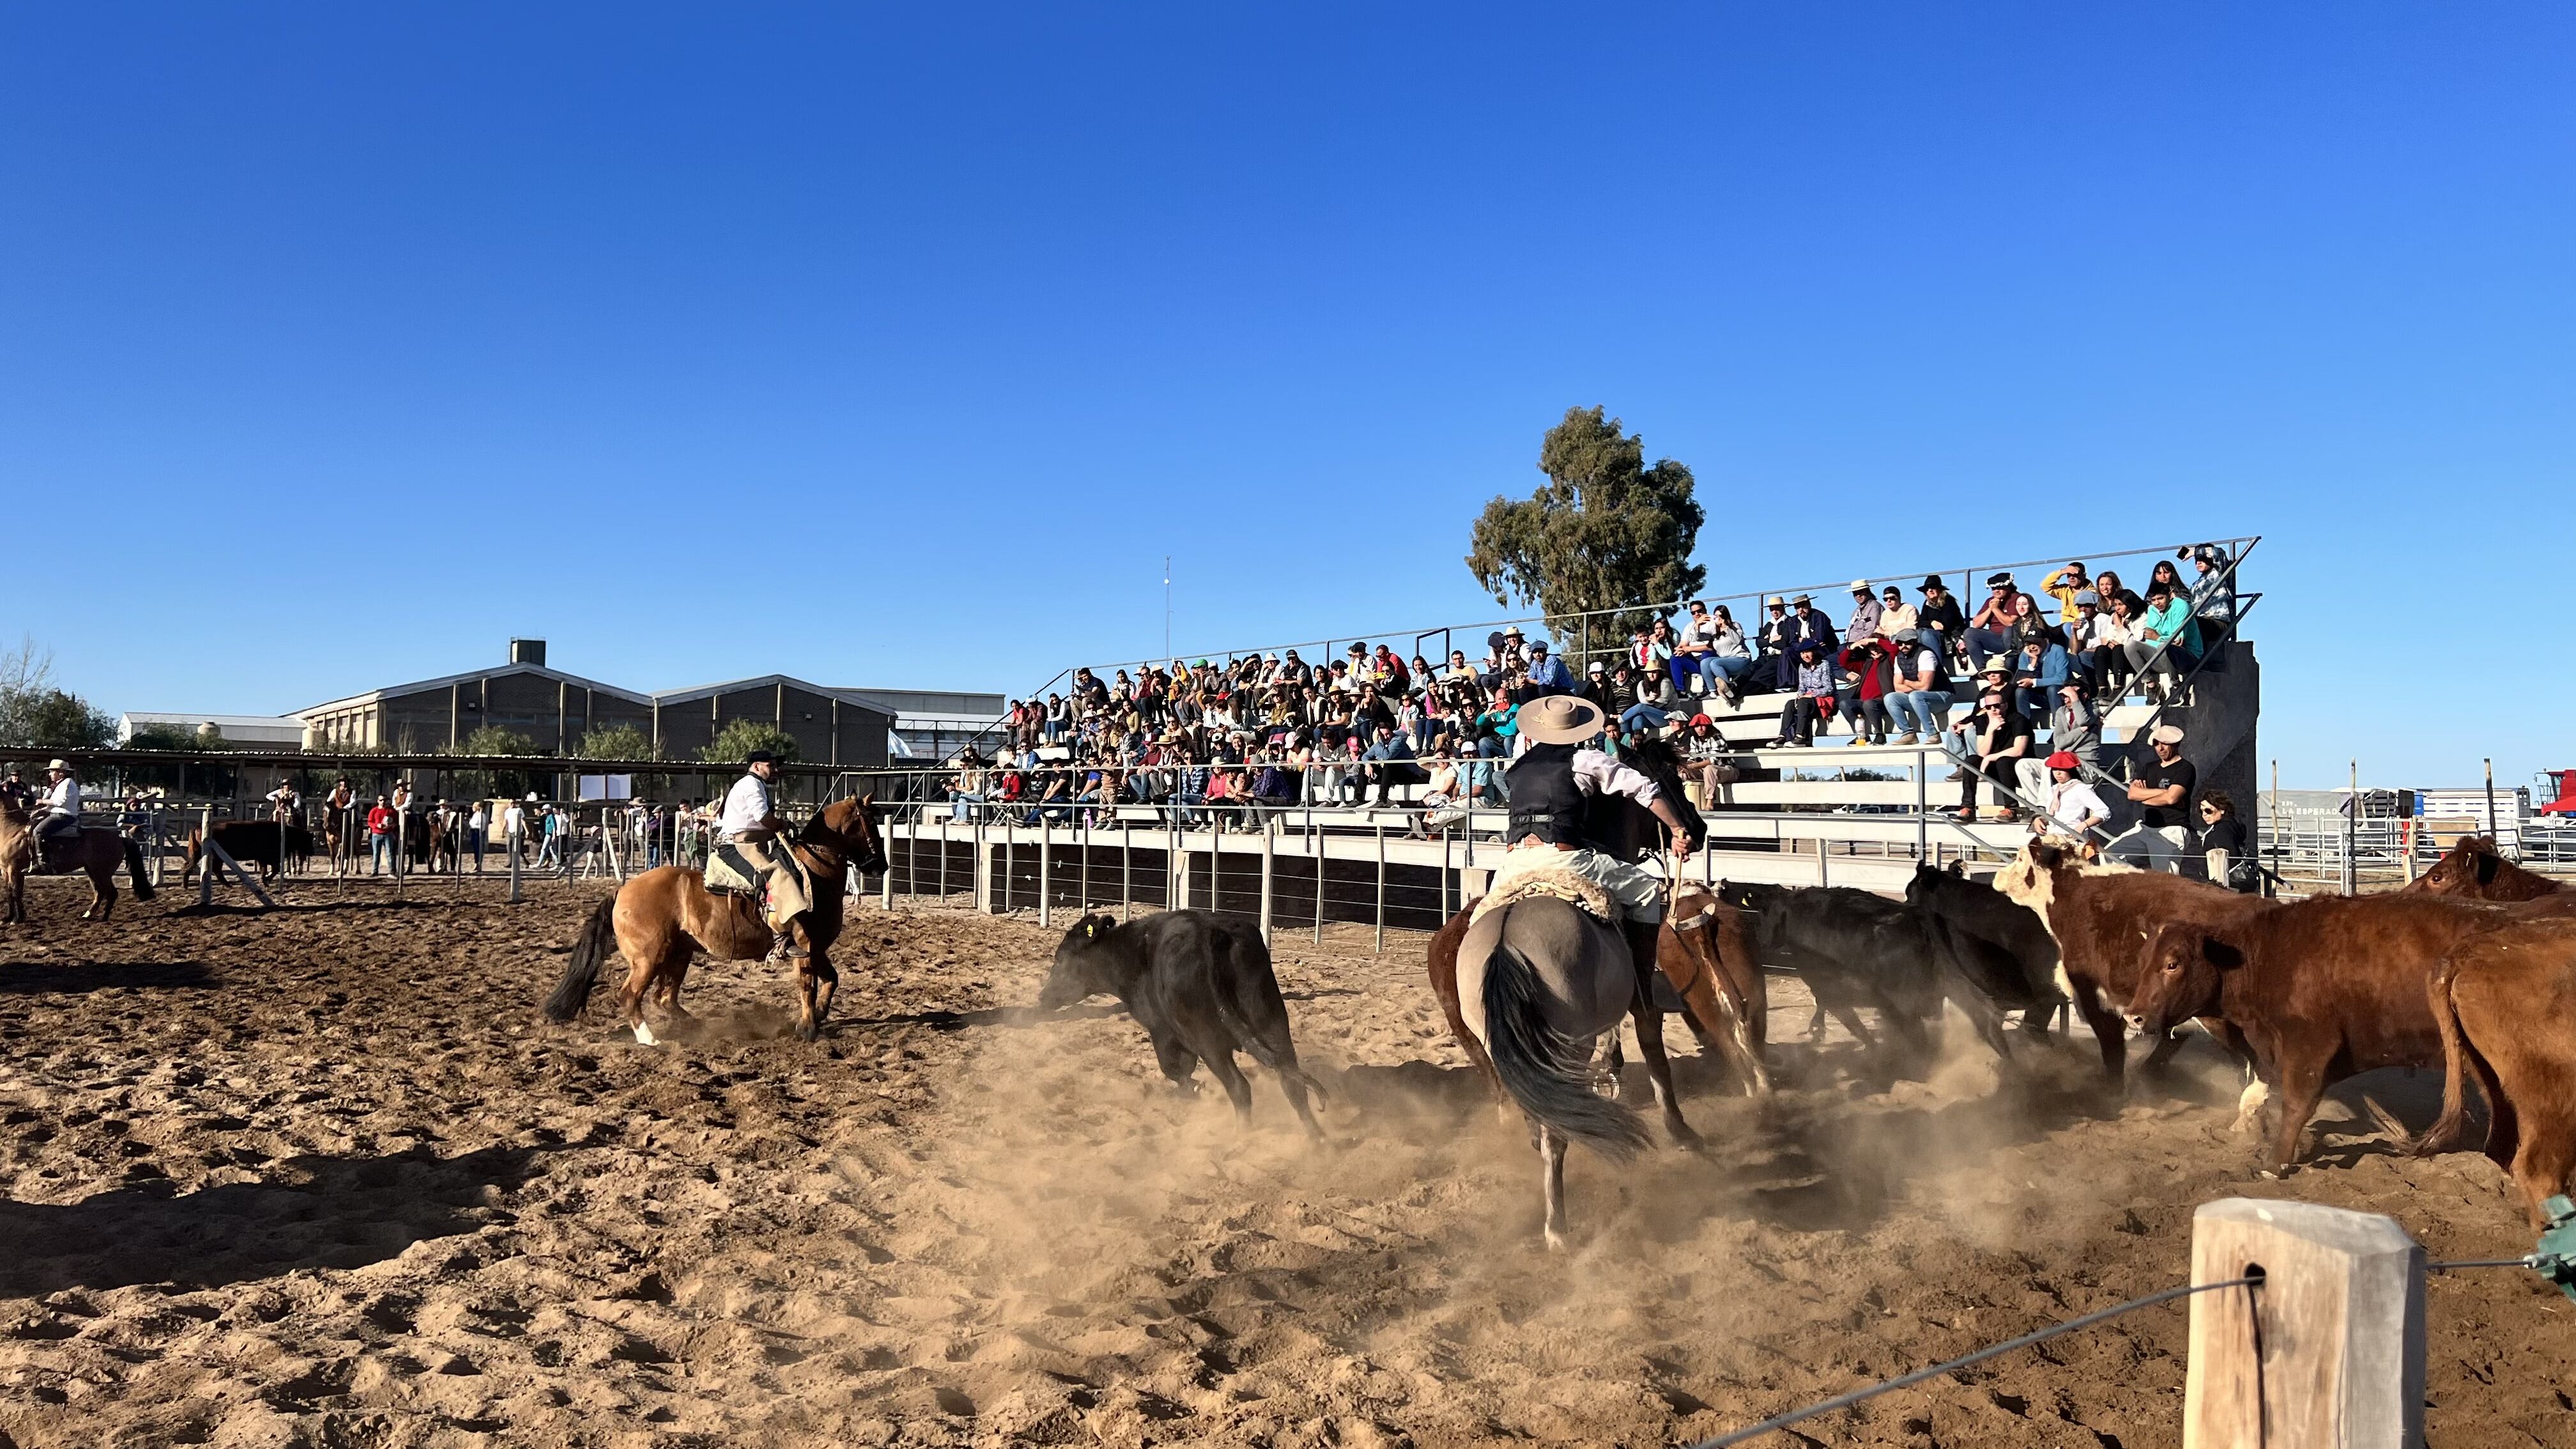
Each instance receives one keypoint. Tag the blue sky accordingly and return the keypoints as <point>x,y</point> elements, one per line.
<point>356,340</point>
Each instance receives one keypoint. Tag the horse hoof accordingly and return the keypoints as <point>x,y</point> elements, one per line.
<point>808,1031</point>
<point>1555,1241</point>
<point>644,1036</point>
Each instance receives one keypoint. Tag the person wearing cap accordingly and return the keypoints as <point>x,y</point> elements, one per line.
<point>1919,702</point>
<point>2063,585</point>
<point>2085,636</point>
<point>1560,770</point>
<point>1865,613</point>
<point>2162,790</point>
<point>19,795</point>
<point>1944,627</point>
<point>1813,702</point>
<point>57,808</point>
<point>1990,632</point>
<point>2075,808</point>
<point>2213,595</point>
<point>1547,674</point>
<point>747,826</point>
<point>2000,738</point>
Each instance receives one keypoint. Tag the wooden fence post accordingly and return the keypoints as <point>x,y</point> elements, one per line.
<point>2327,1353</point>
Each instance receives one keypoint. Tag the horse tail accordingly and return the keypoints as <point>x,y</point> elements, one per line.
<point>1534,1061</point>
<point>1245,1035</point>
<point>196,852</point>
<point>2445,1132</point>
<point>134,868</point>
<point>598,941</point>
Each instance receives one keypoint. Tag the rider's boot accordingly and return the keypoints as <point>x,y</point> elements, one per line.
<point>788,944</point>
<point>1641,937</point>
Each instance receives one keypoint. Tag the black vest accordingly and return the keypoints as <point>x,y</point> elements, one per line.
<point>1545,800</point>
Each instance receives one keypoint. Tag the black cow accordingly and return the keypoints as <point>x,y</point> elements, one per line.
<point>1859,949</point>
<point>253,842</point>
<point>1201,987</point>
<point>1977,910</point>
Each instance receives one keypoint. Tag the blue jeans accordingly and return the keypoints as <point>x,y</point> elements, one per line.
<point>1716,667</point>
<point>1983,644</point>
<point>958,802</point>
<point>1920,711</point>
<point>380,854</point>
<point>1653,718</point>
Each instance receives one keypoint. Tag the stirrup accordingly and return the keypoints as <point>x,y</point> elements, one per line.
<point>783,947</point>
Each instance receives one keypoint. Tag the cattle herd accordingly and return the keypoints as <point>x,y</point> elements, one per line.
<point>2472,968</point>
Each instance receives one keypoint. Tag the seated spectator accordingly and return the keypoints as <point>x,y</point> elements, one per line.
<point>2167,641</point>
<point>2075,809</point>
<point>1894,613</point>
<point>1945,629</point>
<point>2002,738</point>
<point>1443,798</point>
<point>1548,675</point>
<point>1681,667</point>
<point>2162,790</point>
<point>1390,762</point>
<point>2063,586</point>
<point>1729,658</point>
<point>1458,667</point>
<point>2085,637</point>
<point>2225,852</point>
<point>2039,670</point>
<point>1813,702</point>
<point>1778,638</point>
<point>1707,759</point>
<point>1861,699</point>
<point>1990,632</point>
<point>2073,729</point>
<point>2213,596</point>
<point>1919,704</point>
<point>1865,613</point>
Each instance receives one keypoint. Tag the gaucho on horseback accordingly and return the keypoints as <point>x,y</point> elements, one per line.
<point>747,826</point>
<point>57,814</point>
<point>1562,767</point>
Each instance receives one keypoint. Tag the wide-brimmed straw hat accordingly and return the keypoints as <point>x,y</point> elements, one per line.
<point>1559,719</point>
<point>63,765</point>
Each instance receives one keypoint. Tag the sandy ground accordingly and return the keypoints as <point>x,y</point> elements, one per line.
<point>323,1178</point>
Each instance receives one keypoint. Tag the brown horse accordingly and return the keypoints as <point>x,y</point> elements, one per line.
<point>659,921</point>
<point>2475,870</point>
<point>98,854</point>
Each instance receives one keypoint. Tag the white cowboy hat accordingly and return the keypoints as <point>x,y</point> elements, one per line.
<point>1559,719</point>
<point>63,765</point>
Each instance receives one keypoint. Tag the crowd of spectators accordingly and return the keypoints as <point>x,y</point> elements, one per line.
<point>1279,732</point>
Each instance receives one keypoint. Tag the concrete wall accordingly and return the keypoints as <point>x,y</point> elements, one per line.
<point>2219,735</point>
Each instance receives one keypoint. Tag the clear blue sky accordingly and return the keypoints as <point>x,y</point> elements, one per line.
<point>352,340</point>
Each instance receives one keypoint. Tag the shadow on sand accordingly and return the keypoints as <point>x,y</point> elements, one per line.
<point>84,976</point>
<point>315,1212</point>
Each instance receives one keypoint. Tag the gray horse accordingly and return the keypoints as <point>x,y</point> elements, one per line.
<point>1539,984</point>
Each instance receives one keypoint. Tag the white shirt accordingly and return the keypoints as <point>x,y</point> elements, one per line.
<point>61,798</point>
<point>514,821</point>
<point>1596,773</point>
<point>746,805</point>
<point>2074,807</point>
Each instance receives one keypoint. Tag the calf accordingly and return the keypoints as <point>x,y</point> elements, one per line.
<point>2505,1007</point>
<point>2317,990</point>
<point>1855,949</point>
<point>2474,870</point>
<point>263,843</point>
<point>1202,988</point>
<point>1974,908</point>
<point>2100,916</point>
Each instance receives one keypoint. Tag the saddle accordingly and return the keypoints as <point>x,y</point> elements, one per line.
<point>729,872</point>
<point>1543,879</point>
<point>53,854</point>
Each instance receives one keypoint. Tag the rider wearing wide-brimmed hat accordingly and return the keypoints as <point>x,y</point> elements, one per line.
<point>747,826</point>
<point>58,808</point>
<point>1558,770</point>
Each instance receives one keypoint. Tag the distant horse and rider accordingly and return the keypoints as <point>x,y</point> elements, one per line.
<point>51,841</point>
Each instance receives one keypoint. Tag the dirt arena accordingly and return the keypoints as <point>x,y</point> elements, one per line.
<point>323,1177</point>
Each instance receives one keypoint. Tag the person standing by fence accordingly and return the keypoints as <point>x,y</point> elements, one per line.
<point>514,830</point>
<point>478,824</point>
<point>380,836</point>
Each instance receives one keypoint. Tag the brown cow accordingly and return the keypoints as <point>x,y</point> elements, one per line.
<point>2319,990</point>
<point>1707,961</point>
<point>2505,1007</point>
<point>2102,915</point>
<point>2474,870</point>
